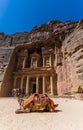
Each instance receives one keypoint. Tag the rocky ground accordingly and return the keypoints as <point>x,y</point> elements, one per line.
<point>67,116</point>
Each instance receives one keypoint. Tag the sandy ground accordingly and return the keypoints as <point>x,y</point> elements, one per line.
<point>67,116</point>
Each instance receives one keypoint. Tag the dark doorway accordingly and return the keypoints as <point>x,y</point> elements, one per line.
<point>34,88</point>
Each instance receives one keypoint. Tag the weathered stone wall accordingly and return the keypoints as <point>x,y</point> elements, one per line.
<point>70,74</point>
<point>7,64</point>
<point>5,54</point>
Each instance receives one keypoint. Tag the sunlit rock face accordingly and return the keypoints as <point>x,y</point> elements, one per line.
<point>67,39</point>
<point>72,68</point>
<point>53,29</point>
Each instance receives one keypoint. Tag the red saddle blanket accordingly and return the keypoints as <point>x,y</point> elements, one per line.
<point>37,102</point>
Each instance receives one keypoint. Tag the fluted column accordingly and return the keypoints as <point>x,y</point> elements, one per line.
<point>37,84</point>
<point>43,84</point>
<point>51,84</point>
<point>55,61</point>
<point>14,84</point>
<point>27,85</point>
<point>50,61</point>
<point>24,61</point>
<point>31,62</point>
<point>21,84</point>
<point>43,61</point>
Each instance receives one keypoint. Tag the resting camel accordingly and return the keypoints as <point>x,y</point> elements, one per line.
<point>34,103</point>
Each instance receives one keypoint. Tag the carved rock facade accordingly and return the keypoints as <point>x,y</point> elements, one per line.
<point>49,59</point>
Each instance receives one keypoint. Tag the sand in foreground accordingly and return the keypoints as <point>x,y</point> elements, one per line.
<point>67,116</point>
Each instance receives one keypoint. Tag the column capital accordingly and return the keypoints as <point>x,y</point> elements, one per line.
<point>28,77</point>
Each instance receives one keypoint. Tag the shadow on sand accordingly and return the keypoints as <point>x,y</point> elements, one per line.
<point>20,111</point>
<point>55,111</point>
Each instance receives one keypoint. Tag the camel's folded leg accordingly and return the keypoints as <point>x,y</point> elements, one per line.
<point>18,111</point>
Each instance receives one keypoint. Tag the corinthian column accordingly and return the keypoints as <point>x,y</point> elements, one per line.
<point>24,61</point>
<point>27,85</point>
<point>21,84</point>
<point>43,61</point>
<point>50,61</point>
<point>14,84</point>
<point>37,84</point>
<point>43,84</point>
<point>51,84</point>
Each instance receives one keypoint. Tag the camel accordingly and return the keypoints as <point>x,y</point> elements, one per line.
<point>33,103</point>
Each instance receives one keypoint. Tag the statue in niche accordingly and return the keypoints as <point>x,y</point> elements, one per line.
<point>47,61</point>
<point>34,62</point>
<point>20,64</point>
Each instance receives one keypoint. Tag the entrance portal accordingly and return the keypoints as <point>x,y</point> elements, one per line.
<point>34,88</point>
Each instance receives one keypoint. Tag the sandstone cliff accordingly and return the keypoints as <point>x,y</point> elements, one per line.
<point>71,72</point>
<point>54,29</point>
